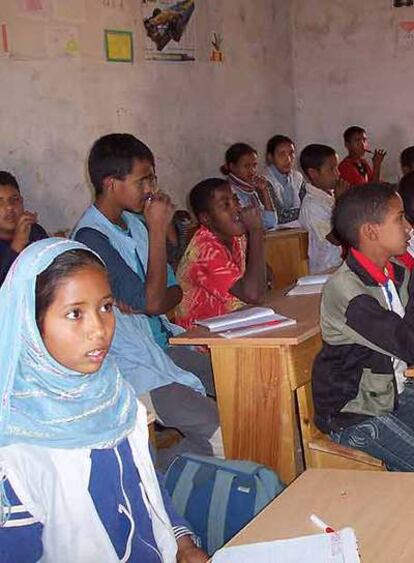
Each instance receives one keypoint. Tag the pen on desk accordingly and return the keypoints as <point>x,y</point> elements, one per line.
<point>321,524</point>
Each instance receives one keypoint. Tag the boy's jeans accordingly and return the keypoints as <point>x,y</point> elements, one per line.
<point>389,437</point>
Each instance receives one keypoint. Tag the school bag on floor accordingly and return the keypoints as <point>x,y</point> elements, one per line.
<point>218,497</point>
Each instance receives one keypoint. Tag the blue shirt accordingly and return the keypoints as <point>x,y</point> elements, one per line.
<point>115,490</point>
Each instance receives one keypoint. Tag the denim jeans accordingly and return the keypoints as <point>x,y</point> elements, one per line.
<point>389,437</point>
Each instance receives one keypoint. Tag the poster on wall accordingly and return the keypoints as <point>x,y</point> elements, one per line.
<point>119,46</point>
<point>33,8</point>
<point>169,30</point>
<point>406,34</point>
<point>73,11</point>
<point>62,41</point>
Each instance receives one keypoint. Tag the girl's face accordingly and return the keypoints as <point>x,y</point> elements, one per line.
<point>283,157</point>
<point>245,168</point>
<point>78,326</point>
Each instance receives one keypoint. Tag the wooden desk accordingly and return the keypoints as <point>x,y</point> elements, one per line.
<point>378,506</point>
<point>252,378</point>
<point>286,252</point>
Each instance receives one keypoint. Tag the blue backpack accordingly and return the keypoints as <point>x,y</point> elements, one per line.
<point>217,496</point>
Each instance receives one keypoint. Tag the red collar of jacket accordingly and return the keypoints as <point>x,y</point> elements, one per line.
<point>378,275</point>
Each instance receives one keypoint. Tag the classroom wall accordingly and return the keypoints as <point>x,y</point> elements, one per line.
<point>351,67</point>
<point>54,107</point>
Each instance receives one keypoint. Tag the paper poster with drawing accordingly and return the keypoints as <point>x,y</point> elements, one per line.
<point>169,30</point>
<point>402,3</point>
<point>33,8</point>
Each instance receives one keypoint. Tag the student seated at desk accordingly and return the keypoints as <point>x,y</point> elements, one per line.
<point>223,267</point>
<point>133,248</point>
<point>250,188</point>
<point>355,169</point>
<point>361,396</point>
<point>407,160</point>
<point>18,227</point>
<point>77,481</point>
<point>286,185</point>
<point>320,165</point>
<point>406,191</point>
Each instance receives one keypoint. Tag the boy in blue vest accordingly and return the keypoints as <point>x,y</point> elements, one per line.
<point>133,247</point>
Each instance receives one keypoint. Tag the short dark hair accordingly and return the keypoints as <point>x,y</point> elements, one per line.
<point>314,156</point>
<point>407,157</point>
<point>406,191</point>
<point>7,179</point>
<point>351,131</point>
<point>234,154</point>
<point>114,155</point>
<point>276,141</point>
<point>61,268</point>
<point>360,205</point>
<point>202,193</point>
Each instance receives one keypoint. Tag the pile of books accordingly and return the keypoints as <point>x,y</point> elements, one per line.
<point>309,285</point>
<point>244,322</point>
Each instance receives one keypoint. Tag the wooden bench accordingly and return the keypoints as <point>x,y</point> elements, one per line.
<point>319,450</point>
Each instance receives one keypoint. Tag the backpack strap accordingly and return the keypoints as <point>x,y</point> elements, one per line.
<point>184,486</point>
<point>218,510</point>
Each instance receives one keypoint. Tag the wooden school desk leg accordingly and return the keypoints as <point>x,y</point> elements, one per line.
<point>256,406</point>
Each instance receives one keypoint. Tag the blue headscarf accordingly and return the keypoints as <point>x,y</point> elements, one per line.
<point>43,402</point>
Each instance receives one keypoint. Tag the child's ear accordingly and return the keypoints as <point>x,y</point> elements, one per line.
<point>369,232</point>
<point>313,175</point>
<point>108,183</point>
<point>204,219</point>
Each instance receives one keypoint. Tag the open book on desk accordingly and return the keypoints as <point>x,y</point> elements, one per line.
<point>339,547</point>
<point>244,322</point>
<point>309,285</point>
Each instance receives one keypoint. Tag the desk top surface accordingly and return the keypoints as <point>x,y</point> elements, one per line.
<point>281,233</point>
<point>305,309</point>
<point>379,506</point>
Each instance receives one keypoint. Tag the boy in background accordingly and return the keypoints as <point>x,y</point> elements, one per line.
<point>18,227</point>
<point>320,165</point>
<point>407,160</point>
<point>361,396</point>
<point>354,168</point>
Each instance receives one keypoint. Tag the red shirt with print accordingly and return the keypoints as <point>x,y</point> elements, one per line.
<point>206,273</point>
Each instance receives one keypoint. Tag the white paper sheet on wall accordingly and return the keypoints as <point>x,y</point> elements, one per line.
<point>340,547</point>
<point>62,41</point>
<point>33,8</point>
<point>73,11</point>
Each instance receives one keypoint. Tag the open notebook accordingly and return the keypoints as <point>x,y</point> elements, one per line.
<point>244,322</point>
<point>340,547</point>
<point>309,285</point>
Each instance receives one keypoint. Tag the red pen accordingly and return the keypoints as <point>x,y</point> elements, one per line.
<point>321,524</point>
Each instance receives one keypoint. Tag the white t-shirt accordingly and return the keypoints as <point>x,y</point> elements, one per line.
<point>315,216</point>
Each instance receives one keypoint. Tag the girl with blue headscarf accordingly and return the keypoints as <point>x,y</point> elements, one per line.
<point>76,477</point>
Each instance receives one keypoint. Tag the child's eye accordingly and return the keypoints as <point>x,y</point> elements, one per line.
<point>107,308</point>
<point>74,315</point>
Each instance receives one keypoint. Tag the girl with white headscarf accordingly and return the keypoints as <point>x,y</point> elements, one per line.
<point>76,477</point>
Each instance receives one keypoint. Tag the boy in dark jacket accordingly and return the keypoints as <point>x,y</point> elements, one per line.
<point>361,396</point>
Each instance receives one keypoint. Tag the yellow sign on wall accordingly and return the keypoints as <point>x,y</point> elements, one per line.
<point>119,46</point>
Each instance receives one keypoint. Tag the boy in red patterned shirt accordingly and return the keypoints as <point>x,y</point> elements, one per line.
<point>223,267</point>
